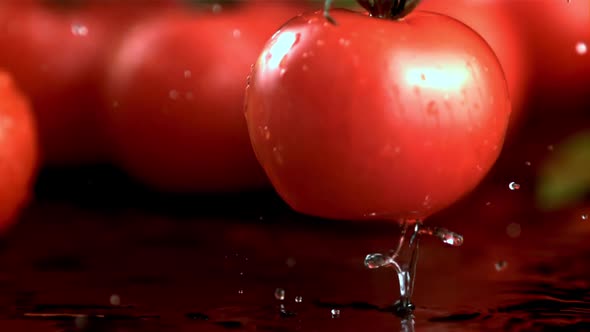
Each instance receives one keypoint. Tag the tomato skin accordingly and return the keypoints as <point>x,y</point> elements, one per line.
<point>18,151</point>
<point>52,56</point>
<point>177,84</point>
<point>374,119</point>
<point>494,21</point>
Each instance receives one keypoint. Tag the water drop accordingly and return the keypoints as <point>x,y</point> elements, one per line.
<point>81,321</point>
<point>290,262</point>
<point>335,313</point>
<point>585,216</point>
<point>513,186</point>
<point>216,8</point>
<point>344,42</point>
<point>320,42</point>
<point>187,74</point>
<point>581,48</point>
<point>282,72</point>
<point>115,300</point>
<point>280,294</point>
<point>79,30</point>
<point>236,33</point>
<point>375,261</point>
<point>173,94</point>
<point>501,265</point>
<point>550,147</point>
<point>488,203</point>
<point>305,67</point>
<point>443,234</point>
<point>241,291</point>
<point>298,299</point>
<point>527,163</point>
<point>513,230</point>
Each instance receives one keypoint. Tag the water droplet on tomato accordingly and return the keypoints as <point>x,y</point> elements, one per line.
<point>236,33</point>
<point>501,265</point>
<point>585,216</point>
<point>344,42</point>
<point>305,67</point>
<point>280,294</point>
<point>79,30</point>
<point>335,313</point>
<point>513,230</point>
<point>320,42</point>
<point>173,94</point>
<point>581,48</point>
<point>527,163</point>
<point>282,72</point>
<point>187,74</point>
<point>550,147</point>
<point>298,299</point>
<point>241,291</point>
<point>513,186</point>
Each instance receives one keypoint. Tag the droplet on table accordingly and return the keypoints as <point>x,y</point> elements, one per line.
<point>280,294</point>
<point>335,313</point>
<point>115,300</point>
<point>501,265</point>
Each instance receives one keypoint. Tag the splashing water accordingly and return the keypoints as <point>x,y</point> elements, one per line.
<point>280,294</point>
<point>404,260</point>
<point>513,186</point>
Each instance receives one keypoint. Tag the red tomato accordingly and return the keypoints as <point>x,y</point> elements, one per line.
<point>18,151</point>
<point>52,56</point>
<point>56,55</point>
<point>492,19</point>
<point>376,118</point>
<point>176,88</point>
<point>558,32</point>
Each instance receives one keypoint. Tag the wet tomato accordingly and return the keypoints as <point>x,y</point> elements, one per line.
<point>494,21</point>
<point>376,118</point>
<point>18,151</point>
<point>175,93</point>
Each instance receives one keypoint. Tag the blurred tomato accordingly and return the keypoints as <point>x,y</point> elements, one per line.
<point>492,20</point>
<point>558,35</point>
<point>176,91</point>
<point>18,150</point>
<point>56,53</point>
<point>53,56</point>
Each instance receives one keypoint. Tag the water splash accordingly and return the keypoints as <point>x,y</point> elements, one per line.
<point>404,260</point>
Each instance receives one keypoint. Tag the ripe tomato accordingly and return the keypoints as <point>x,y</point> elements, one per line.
<point>56,55</point>
<point>176,87</point>
<point>376,118</point>
<point>558,32</point>
<point>52,56</point>
<point>493,20</point>
<point>18,151</point>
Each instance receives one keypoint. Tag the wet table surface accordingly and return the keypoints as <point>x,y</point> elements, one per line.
<point>92,254</point>
<point>216,266</point>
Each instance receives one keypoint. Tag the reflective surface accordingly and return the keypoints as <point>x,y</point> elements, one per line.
<point>124,260</point>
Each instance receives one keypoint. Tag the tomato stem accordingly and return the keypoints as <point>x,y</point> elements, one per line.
<point>389,9</point>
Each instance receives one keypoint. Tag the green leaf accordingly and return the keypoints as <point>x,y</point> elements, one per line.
<point>564,178</point>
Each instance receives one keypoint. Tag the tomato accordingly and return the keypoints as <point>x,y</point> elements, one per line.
<point>56,55</point>
<point>18,151</point>
<point>52,56</point>
<point>558,32</point>
<point>494,21</point>
<point>376,118</point>
<point>175,93</point>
